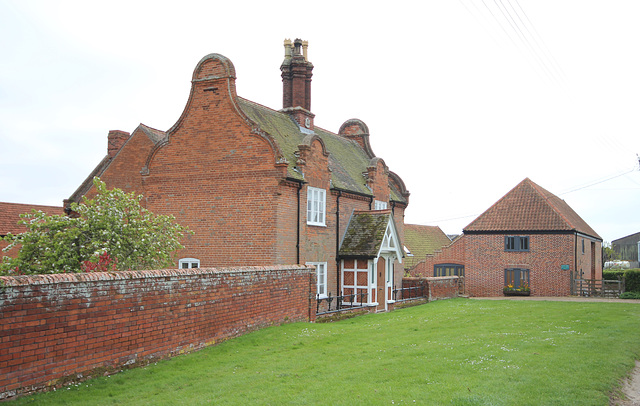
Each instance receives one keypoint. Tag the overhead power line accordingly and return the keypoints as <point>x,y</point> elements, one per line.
<point>598,182</point>
<point>516,25</point>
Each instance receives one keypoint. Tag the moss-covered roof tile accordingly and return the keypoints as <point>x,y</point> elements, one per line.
<point>347,160</point>
<point>364,234</point>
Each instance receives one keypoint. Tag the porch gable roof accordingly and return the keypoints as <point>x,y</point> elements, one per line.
<point>365,233</point>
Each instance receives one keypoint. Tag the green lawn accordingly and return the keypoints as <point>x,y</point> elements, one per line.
<point>450,352</point>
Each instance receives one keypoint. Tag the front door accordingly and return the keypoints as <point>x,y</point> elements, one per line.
<point>381,276</point>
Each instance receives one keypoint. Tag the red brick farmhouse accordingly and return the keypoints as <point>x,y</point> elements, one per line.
<point>260,186</point>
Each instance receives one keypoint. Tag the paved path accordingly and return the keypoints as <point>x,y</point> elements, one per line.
<point>560,299</point>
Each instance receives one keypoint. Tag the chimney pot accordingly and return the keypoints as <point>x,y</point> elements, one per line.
<point>287,48</point>
<point>297,45</point>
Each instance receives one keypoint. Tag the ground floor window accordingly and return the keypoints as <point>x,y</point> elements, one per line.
<point>321,276</point>
<point>516,278</point>
<point>358,276</point>
<point>448,270</point>
<point>186,263</point>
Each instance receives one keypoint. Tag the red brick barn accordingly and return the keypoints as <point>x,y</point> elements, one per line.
<point>259,186</point>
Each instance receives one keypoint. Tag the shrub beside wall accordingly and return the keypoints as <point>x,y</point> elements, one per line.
<point>612,274</point>
<point>632,280</point>
<point>62,325</point>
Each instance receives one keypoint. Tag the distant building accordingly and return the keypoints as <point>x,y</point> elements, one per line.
<point>628,248</point>
<point>528,237</point>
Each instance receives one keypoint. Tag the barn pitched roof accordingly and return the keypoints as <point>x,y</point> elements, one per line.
<point>530,208</point>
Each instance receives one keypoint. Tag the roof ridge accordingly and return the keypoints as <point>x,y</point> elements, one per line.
<point>494,205</point>
<point>539,189</point>
<point>280,111</point>
<point>151,128</point>
<point>31,205</point>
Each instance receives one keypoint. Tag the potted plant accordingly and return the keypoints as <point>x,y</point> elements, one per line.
<point>522,290</point>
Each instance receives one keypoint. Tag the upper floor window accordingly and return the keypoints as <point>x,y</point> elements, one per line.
<point>516,243</point>
<point>321,273</point>
<point>379,205</point>
<point>316,204</point>
<point>186,263</point>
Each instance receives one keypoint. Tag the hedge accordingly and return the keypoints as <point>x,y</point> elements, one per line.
<point>632,280</point>
<point>612,274</point>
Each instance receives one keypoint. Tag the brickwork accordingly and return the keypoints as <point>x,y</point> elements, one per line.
<point>55,326</point>
<point>589,260</point>
<point>454,253</point>
<point>487,259</point>
<point>434,288</point>
<point>119,172</point>
<point>443,287</point>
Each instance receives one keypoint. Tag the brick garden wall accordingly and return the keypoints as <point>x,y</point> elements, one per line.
<point>435,288</point>
<point>57,326</point>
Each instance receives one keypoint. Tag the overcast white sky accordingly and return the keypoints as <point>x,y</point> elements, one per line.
<point>464,99</point>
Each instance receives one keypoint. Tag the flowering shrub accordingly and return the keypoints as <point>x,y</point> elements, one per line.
<point>100,263</point>
<point>114,225</point>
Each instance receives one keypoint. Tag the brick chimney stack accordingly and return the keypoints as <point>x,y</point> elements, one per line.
<point>115,141</point>
<point>296,82</point>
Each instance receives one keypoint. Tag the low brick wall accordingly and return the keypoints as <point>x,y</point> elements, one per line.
<point>434,287</point>
<point>63,325</point>
<point>443,287</point>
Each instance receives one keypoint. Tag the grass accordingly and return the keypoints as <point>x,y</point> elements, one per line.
<point>451,352</point>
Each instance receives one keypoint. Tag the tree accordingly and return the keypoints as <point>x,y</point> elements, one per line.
<point>608,254</point>
<point>111,232</point>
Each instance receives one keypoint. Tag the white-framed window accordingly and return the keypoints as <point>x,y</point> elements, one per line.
<point>379,205</point>
<point>316,206</point>
<point>321,274</point>
<point>186,263</point>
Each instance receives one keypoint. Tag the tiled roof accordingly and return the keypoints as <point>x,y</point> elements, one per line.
<point>10,215</point>
<point>347,160</point>
<point>529,207</point>
<point>424,240</point>
<point>364,233</point>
